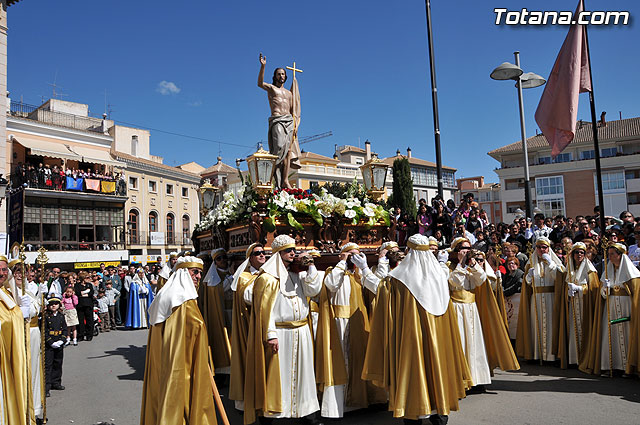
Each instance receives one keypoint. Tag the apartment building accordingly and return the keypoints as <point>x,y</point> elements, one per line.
<point>487,195</point>
<point>567,184</point>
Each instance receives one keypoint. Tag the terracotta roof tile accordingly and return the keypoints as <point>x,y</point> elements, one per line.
<point>612,131</point>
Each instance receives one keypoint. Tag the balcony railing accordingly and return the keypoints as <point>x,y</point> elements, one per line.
<point>172,239</point>
<point>79,122</point>
<point>38,180</point>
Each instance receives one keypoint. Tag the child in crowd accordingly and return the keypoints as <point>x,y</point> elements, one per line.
<point>103,310</point>
<point>69,303</point>
<point>112,295</point>
<point>55,334</point>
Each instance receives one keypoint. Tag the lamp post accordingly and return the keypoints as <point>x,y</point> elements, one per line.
<point>374,175</point>
<point>508,71</point>
<point>261,167</point>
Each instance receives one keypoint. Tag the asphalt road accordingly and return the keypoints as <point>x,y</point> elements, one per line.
<point>103,380</point>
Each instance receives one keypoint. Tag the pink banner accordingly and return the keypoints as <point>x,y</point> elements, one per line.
<point>92,184</point>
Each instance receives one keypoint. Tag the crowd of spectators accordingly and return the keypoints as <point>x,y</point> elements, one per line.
<point>447,221</point>
<point>43,176</point>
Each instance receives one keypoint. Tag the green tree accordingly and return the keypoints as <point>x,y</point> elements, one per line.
<point>403,187</point>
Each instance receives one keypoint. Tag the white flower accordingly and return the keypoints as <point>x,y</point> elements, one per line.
<point>350,213</point>
<point>368,211</point>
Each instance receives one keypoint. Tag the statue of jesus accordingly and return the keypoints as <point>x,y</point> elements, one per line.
<point>283,123</point>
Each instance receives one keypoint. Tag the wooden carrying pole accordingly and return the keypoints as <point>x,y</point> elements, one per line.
<point>22,257</point>
<point>42,259</point>
<point>606,278</point>
<point>216,397</point>
<point>535,302</point>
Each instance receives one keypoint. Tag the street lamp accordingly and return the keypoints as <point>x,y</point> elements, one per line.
<point>374,175</point>
<point>508,71</point>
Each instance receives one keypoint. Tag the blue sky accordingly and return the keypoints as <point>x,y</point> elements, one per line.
<point>365,65</point>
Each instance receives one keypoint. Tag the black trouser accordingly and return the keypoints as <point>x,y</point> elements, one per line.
<point>85,313</point>
<point>117,313</point>
<point>53,366</point>
<point>124,298</point>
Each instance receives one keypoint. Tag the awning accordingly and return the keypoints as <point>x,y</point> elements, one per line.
<point>49,149</point>
<point>97,156</point>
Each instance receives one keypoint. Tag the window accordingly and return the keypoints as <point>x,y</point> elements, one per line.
<point>133,227</point>
<point>632,174</point>
<point>544,160</point>
<point>562,157</point>
<point>169,189</point>
<point>186,233</point>
<point>359,161</point>
<point>552,207</point>
<point>170,225</point>
<point>185,192</point>
<point>152,186</point>
<point>550,195</point>
<point>588,154</point>
<point>428,177</point>
<point>134,145</point>
<point>549,186</point>
<point>448,178</point>
<point>133,183</point>
<point>153,221</point>
<point>607,152</point>
<point>612,181</point>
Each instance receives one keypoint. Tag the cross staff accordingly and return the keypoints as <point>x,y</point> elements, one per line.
<point>294,69</point>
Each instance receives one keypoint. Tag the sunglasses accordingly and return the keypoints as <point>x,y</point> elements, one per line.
<point>480,260</point>
<point>257,253</point>
<point>197,271</point>
<point>222,257</point>
<point>288,250</point>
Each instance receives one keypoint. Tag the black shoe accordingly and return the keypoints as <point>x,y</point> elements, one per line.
<point>89,338</point>
<point>311,419</point>
<point>47,394</point>
<point>439,419</point>
<point>57,387</point>
<point>412,421</point>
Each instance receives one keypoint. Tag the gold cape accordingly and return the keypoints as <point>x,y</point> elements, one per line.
<point>160,283</point>
<point>499,295</point>
<point>330,359</point>
<point>415,355</point>
<point>496,334</point>
<point>262,390</point>
<point>177,381</point>
<point>561,302</point>
<point>524,336</point>
<point>13,363</point>
<point>211,303</point>
<point>239,332</point>
<point>591,361</point>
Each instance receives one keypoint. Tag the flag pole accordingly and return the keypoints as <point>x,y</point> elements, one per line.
<point>596,145</point>
<point>434,102</point>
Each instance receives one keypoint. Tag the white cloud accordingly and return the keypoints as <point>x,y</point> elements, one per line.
<point>166,88</point>
<point>195,104</point>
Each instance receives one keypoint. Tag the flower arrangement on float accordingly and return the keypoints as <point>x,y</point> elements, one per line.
<point>292,205</point>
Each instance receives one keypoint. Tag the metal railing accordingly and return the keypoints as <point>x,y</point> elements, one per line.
<point>62,119</point>
<point>170,238</point>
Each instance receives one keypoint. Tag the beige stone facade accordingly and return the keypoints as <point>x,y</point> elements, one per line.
<point>151,212</point>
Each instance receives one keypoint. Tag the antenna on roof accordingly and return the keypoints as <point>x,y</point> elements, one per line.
<point>55,93</point>
<point>219,149</point>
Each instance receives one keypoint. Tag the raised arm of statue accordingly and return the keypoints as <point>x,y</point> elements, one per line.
<point>261,83</point>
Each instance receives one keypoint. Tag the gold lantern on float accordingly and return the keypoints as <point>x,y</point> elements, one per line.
<point>374,175</point>
<point>261,167</point>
